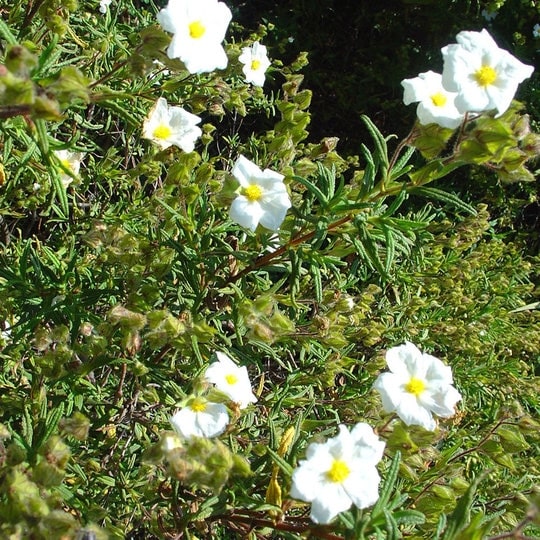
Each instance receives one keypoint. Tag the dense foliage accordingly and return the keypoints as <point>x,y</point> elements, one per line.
<point>119,284</point>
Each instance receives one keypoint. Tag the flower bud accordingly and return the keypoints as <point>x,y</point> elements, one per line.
<point>19,60</point>
<point>56,451</point>
<point>126,318</point>
<point>48,474</point>
<point>77,426</point>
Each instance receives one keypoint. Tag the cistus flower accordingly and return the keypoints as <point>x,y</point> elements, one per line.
<point>198,28</point>
<point>200,418</point>
<point>167,125</point>
<point>417,386</point>
<point>436,105</point>
<point>256,62</point>
<point>339,473</point>
<point>263,196</point>
<point>70,161</point>
<point>484,76</point>
<point>231,379</point>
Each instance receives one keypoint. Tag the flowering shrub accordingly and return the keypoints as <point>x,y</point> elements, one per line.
<point>195,313</point>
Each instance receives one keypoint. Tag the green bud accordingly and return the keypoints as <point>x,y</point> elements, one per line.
<point>77,426</point>
<point>24,495</point>
<point>46,107</point>
<point>431,139</point>
<point>459,484</point>
<point>401,440</point>
<point>15,454</point>
<point>303,99</point>
<point>126,318</point>
<point>300,62</point>
<point>531,145</point>
<point>240,466</point>
<point>443,492</point>
<point>511,439</point>
<point>153,40</point>
<point>292,85</point>
<point>47,474</point>
<point>19,60</point>
<point>58,524</point>
<point>56,451</point>
<point>56,24</point>
<point>70,85</point>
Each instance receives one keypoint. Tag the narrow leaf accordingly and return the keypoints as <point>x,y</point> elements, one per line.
<point>444,196</point>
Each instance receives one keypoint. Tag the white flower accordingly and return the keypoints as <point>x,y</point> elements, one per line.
<point>339,473</point>
<point>484,76</point>
<point>166,125</point>
<point>488,14</point>
<point>231,379</point>
<point>536,30</point>
<point>436,105</point>
<point>198,28</point>
<point>201,418</point>
<point>263,196</point>
<point>417,386</point>
<point>70,161</point>
<point>255,62</point>
<point>104,5</point>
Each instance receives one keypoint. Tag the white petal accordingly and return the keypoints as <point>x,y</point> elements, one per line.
<point>184,422</point>
<point>246,213</point>
<point>330,502</point>
<point>367,445</point>
<point>412,413</point>
<point>213,421</point>
<point>390,387</point>
<point>362,485</point>
<point>244,170</point>
<point>400,358</point>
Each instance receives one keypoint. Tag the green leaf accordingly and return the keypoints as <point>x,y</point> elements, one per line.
<point>314,190</point>
<point>387,487</point>
<point>445,197</point>
<point>391,526</point>
<point>368,180</point>
<point>433,170</point>
<point>280,462</point>
<point>461,515</point>
<point>7,34</point>
<point>409,517</point>
<point>379,140</point>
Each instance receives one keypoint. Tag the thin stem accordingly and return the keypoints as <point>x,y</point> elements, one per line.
<point>108,75</point>
<point>299,526</point>
<point>399,148</point>
<point>31,10</point>
<point>516,533</point>
<point>484,440</point>
<point>263,260</point>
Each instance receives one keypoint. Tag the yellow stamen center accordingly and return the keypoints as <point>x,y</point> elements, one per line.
<point>253,193</point>
<point>231,379</point>
<point>485,76</point>
<point>66,164</point>
<point>196,29</point>
<point>198,405</point>
<point>255,65</point>
<point>439,99</point>
<point>162,131</point>
<point>338,472</point>
<point>415,386</point>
